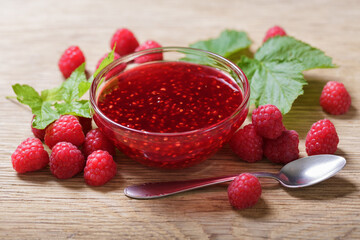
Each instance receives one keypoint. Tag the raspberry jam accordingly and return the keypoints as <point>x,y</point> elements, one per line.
<point>170,97</point>
<point>173,107</point>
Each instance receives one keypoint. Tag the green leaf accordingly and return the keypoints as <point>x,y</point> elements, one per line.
<point>288,49</point>
<point>70,89</point>
<point>53,94</point>
<point>27,95</point>
<point>229,43</point>
<point>57,101</point>
<point>45,116</point>
<point>273,82</point>
<point>275,73</point>
<point>79,108</point>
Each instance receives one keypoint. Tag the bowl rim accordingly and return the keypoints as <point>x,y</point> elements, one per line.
<point>130,57</point>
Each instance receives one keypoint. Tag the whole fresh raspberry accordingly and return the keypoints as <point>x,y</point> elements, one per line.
<point>100,168</point>
<point>66,129</point>
<point>284,149</point>
<point>322,138</point>
<point>334,98</point>
<point>116,56</point>
<point>38,133</point>
<point>244,191</point>
<point>71,59</point>
<point>247,144</point>
<point>86,124</point>
<point>125,41</point>
<point>274,31</point>
<point>267,120</point>
<point>149,57</point>
<point>29,156</point>
<point>96,140</point>
<point>66,160</point>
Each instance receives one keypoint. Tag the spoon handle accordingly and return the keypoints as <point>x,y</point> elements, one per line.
<point>162,189</point>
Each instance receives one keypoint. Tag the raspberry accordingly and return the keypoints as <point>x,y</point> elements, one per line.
<point>125,42</point>
<point>100,168</point>
<point>86,124</point>
<point>66,129</point>
<point>38,133</point>
<point>96,140</point>
<point>244,191</point>
<point>71,59</point>
<point>274,31</point>
<point>116,56</point>
<point>334,98</point>
<point>29,156</point>
<point>66,160</point>
<point>267,120</point>
<point>247,144</point>
<point>149,57</point>
<point>284,149</point>
<point>322,138</point>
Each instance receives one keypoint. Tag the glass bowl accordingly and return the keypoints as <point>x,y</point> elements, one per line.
<point>171,150</point>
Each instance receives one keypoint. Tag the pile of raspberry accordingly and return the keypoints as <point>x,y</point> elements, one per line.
<point>75,147</point>
<point>267,136</point>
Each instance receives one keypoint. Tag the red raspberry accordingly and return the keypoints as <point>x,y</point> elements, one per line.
<point>66,129</point>
<point>71,59</point>
<point>96,140</point>
<point>247,144</point>
<point>149,57</point>
<point>86,124</point>
<point>334,98</point>
<point>284,149</point>
<point>125,42</point>
<point>29,156</point>
<point>38,133</point>
<point>274,31</point>
<point>66,160</point>
<point>100,168</point>
<point>322,138</point>
<point>116,56</point>
<point>267,120</point>
<point>244,191</point>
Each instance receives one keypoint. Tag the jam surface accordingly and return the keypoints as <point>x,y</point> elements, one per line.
<point>169,97</point>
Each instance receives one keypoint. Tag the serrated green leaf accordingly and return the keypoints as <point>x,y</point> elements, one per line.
<point>275,73</point>
<point>79,108</point>
<point>227,44</point>
<point>273,82</point>
<point>44,116</point>
<point>27,95</point>
<point>73,87</point>
<point>285,48</point>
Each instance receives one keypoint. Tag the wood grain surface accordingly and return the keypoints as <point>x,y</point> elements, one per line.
<point>33,34</point>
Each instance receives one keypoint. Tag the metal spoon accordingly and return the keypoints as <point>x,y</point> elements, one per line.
<point>302,172</point>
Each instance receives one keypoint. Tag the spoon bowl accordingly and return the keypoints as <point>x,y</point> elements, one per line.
<point>302,172</point>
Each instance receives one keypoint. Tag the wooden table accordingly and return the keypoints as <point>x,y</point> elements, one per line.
<point>33,34</point>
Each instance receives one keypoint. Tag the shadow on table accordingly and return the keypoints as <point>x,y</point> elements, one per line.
<point>41,176</point>
<point>335,187</point>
